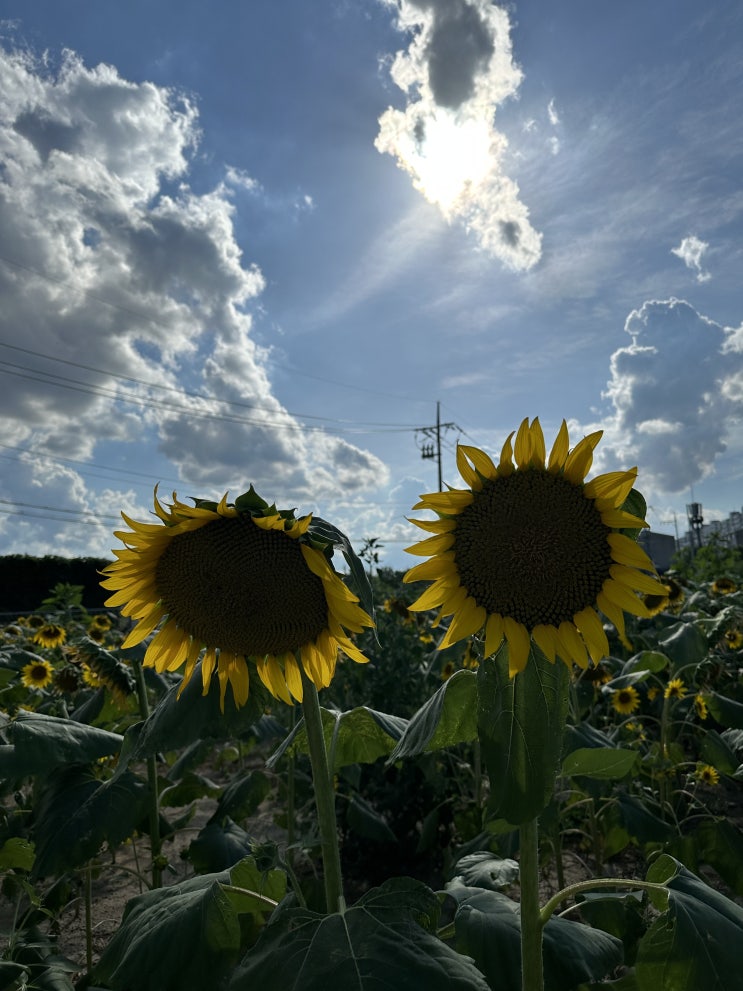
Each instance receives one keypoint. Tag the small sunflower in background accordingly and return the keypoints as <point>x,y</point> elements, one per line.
<point>242,582</point>
<point>531,551</point>
<point>448,670</point>
<point>724,586</point>
<point>675,689</point>
<point>625,700</point>
<point>90,677</point>
<point>38,674</point>
<point>32,622</point>
<point>733,639</point>
<point>700,707</point>
<point>706,774</point>
<point>50,635</point>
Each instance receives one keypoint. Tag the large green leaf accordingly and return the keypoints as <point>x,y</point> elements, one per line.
<point>607,764</point>
<point>182,938</point>
<point>685,644</point>
<point>521,722</point>
<point>39,743</point>
<point>726,711</point>
<point>76,814</point>
<point>488,928</point>
<point>219,846</point>
<point>358,736</point>
<point>385,941</point>
<point>696,943</point>
<point>641,824</point>
<point>484,870</point>
<point>447,718</point>
<point>176,723</point>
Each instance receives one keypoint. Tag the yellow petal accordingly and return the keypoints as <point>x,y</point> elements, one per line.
<point>449,503</point>
<point>592,630</point>
<point>614,485</point>
<point>466,470</point>
<point>432,545</point>
<point>637,580</point>
<point>538,450</point>
<point>493,633</point>
<point>437,567</point>
<point>571,638</point>
<point>432,598</point>
<point>580,459</point>
<point>544,638</point>
<point>621,596</point>
<point>293,677</point>
<point>560,449</point>
<point>505,465</point>
<point>482,462</point>
<point>523,447</point>
<point>613,613</point>
<point>619,520</point>
<point>519,645</point>
<point>435,526</point>
<point>468,619</point>
<point>627,551</point>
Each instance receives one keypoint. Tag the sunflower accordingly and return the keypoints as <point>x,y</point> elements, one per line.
<point>37,674</point>
<point>733,639</point>
<point>675,689</point>
<point>100,622</point>
<point>700,707</point>
<point>724,586</point>
<point>706,774</point>
<point>242,581</point>
<point>50,635</point>
<point>656,604</point>
<point>448,670</point>
<point>531,551</point>
<point>33,622</point>
<point>625,700</point>
<point>91,679</point>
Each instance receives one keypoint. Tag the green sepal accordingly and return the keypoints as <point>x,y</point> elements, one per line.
<point>521,722</point>
<point>330,536</point>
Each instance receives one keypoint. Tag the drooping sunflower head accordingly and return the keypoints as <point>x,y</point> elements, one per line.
<point>733,639</point>
<point>724,586</point>
<point>50,635</point>
<point>531,552</point>
<point>37,674</point>
<point>251,586</point>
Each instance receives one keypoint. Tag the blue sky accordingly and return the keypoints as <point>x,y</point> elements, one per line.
<point>257,244</point>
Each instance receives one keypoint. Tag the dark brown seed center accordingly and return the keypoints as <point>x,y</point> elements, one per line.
<point>532,546</point>
<point>232,585</point>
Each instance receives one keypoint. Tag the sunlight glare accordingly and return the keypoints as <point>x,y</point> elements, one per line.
<point>452,155</point>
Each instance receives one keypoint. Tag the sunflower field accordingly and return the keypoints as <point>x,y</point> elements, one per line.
<point>516,766</point>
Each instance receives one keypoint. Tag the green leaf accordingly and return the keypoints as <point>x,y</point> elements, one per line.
<point>266,884</point>
<point>696,942</point>
<point>367,822</point>
<point>40,743</point>
<point>242,797</point>
<point>636,505</point>
<point>685,645</point>
<point>641,824</point>
<point>619,913</point>
<point>608,764</point>
<point>385,941</point>
<point>178,722</point>
<point>189,788</point>
<point>485,870</point>
<point>449,717</point>
<point>76,814</point>
<point>726,711</point>
<point>646,661</point>
<point>358,736</point>
<point>488,929</point>
<point>719,843</point>
<point>521,722</point>
<point>16,853</point>
<point>714,750</point>
<point>219,846</point>
<point>182,938</point>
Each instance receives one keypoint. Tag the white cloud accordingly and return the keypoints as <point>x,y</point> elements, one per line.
<point>691,251</point>
<point>455,72</point>
<point>552,114</point>
<point>675,392</point>
<point>110,261</point>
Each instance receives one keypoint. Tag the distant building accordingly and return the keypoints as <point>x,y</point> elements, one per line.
<point>660,548</point>
<point>727,532</point>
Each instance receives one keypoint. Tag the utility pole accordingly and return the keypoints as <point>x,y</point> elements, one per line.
<point>431,446</point>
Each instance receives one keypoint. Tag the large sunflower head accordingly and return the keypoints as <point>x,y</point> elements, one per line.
<point>530,551</point>
<point>50,635</point>
<point>251,586</point>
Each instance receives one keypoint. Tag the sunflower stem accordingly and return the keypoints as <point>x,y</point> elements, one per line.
<point>532,971</point>
<point>324,799</point>
<point>153,787</point>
